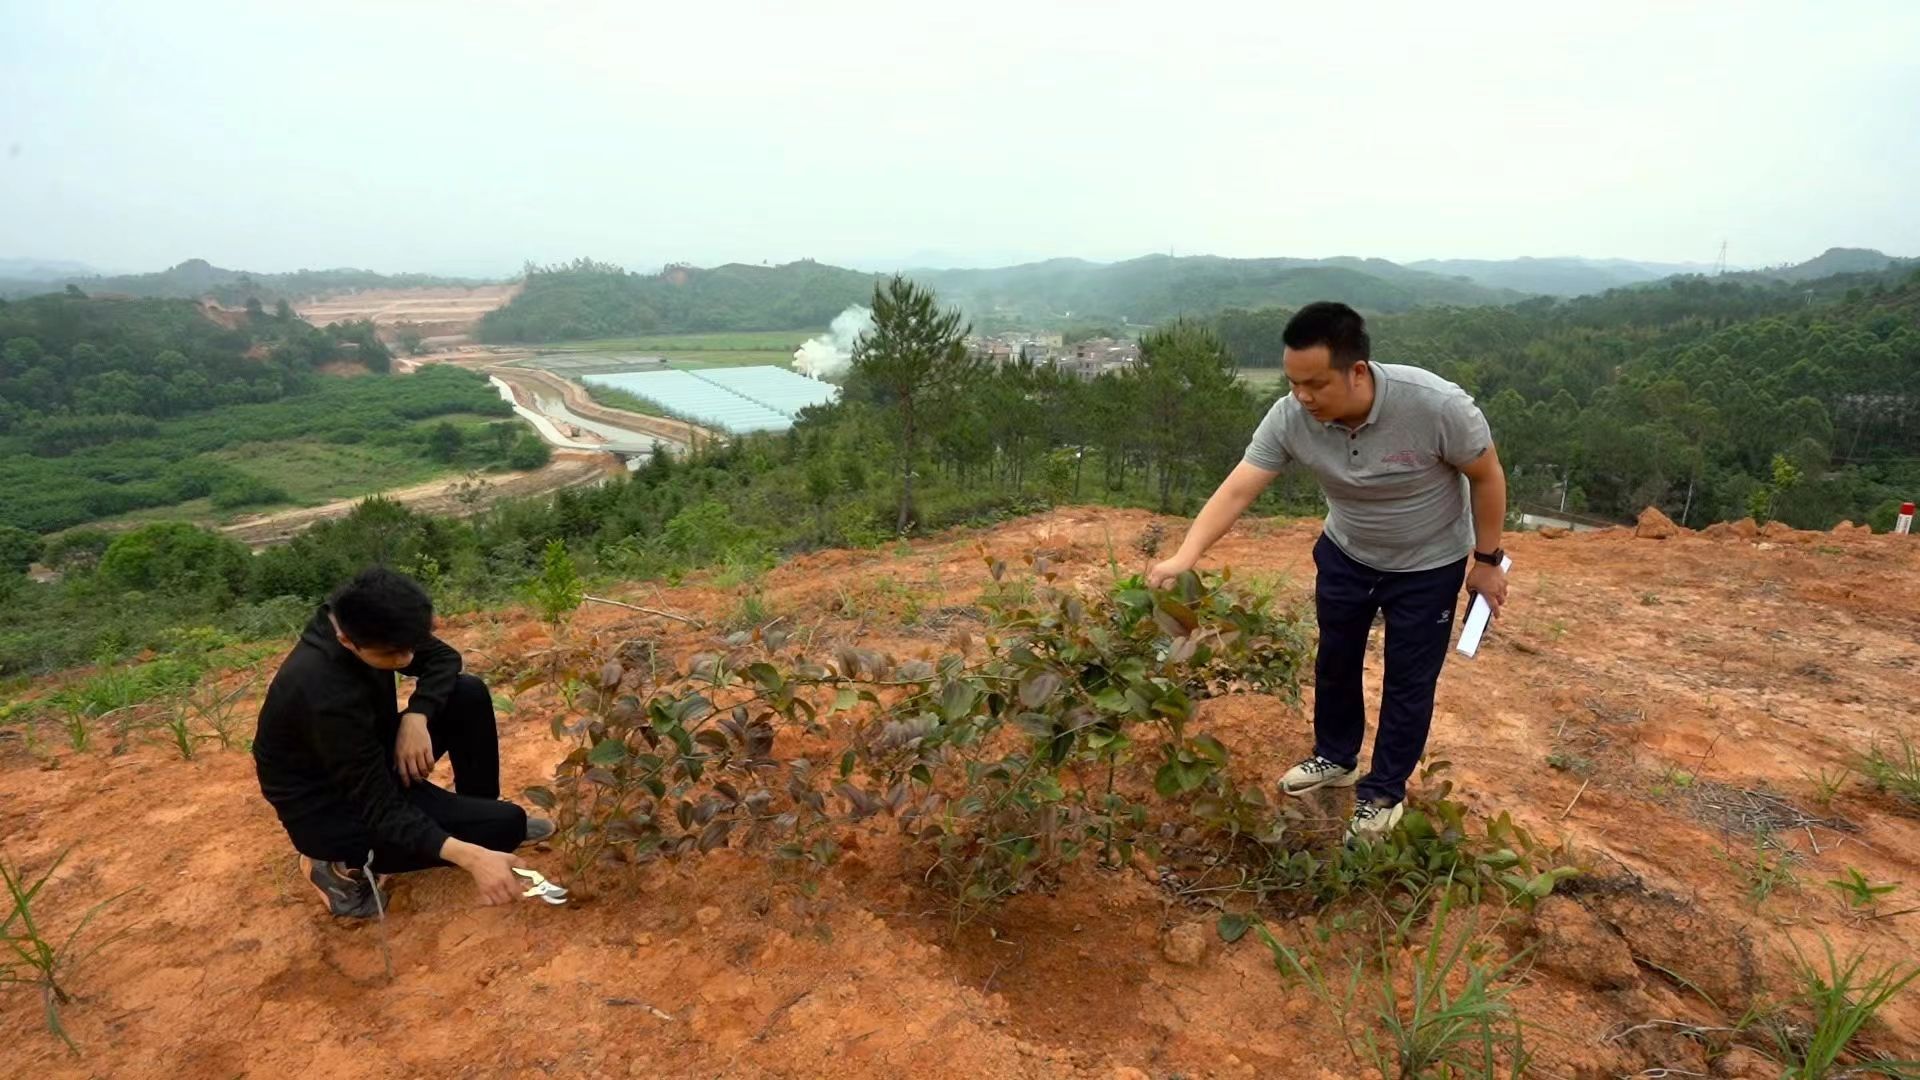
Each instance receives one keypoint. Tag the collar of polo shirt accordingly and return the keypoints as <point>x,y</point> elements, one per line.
<point>1379,394</point>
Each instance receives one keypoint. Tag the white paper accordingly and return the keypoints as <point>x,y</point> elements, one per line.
<point>1477,617</point>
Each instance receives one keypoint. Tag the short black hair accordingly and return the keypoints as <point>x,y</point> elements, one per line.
<point>382,608</point>
<point>1333,324</point>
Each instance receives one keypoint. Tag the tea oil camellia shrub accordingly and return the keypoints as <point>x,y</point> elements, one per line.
<point>1071,731</point>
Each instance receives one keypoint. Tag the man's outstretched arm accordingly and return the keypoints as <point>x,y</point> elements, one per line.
<point>1231,499</point>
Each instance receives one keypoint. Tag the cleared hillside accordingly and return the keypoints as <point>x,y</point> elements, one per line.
<point>1666,707</point>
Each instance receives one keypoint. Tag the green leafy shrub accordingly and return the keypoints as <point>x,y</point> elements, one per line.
<point>558,590</point>
<point>175,557</point>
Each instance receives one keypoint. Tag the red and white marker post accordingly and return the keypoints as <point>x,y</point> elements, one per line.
<point>1903,524</point>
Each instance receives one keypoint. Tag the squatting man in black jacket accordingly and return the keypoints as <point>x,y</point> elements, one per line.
<point>347,771</point>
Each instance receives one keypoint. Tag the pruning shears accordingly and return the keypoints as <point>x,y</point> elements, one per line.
<point>541,887</point>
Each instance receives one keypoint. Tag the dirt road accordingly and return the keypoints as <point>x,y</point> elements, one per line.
<point>1680,685</point>
<point>454,495</point>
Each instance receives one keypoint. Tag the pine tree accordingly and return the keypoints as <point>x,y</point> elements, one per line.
<point>913,363</point>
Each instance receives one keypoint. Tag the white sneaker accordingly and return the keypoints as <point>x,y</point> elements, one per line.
<point>1317,772</point>
<point>1372,821</point>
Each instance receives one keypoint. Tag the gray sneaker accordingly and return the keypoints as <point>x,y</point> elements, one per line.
<point>1315,773</point>
<point>348,893</point>
<point>1373,820</point>
<point>538,829</point>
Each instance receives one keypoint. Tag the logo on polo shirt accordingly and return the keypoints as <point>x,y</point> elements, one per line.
<point>1403,457</point>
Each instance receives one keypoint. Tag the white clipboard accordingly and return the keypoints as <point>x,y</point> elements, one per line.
<point>1477,618</point>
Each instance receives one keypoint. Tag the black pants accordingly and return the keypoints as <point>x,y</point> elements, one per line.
<point>1419,607</point>
<point>464,732</point>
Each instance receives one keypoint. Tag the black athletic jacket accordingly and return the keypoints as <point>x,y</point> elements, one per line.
<point>324,747</point>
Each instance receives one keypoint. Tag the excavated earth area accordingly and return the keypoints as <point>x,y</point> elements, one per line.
<point>1689,689</point>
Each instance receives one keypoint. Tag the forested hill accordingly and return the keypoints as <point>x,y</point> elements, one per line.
<point>1828,263</point>
<point>1156,288</point>
<point>76,370</point>
<point>198,278</point>
<point>586,299</point>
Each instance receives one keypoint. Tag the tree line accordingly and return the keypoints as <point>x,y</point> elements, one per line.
<point>588,299</point>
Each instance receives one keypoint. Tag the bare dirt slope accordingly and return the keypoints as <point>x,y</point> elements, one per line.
<point>441,313</point>
<point>1742,664</point>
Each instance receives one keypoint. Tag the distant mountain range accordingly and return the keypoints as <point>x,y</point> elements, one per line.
<point>1575,276</point>
<point>12,269</point>
<point>1571,276</point>
<point>588,299</point>
<point>196,278</point>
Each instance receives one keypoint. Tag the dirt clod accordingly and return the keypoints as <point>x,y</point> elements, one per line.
<point>1655,525</point>
<point>1709,951</point>
<point>1576,944</point>
<point>1186,944</point>
<point>707,916</point>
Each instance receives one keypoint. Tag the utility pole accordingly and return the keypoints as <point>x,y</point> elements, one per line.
<point>1720,267</point>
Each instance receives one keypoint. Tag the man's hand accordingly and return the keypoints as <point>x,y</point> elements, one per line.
<point>1490,582</point>
<point>413,749</point>
<point>1166,570</point>
<point>492,871</point>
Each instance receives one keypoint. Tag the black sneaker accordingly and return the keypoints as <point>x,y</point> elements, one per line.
<point>538,829</point>
<point>348,893</point>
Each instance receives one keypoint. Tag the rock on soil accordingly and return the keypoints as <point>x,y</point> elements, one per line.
<point>1655,525</point>
<point>1576,944</point>
<point>1848,528</point>
<point>1553,532</point>
<point>1185,945</point>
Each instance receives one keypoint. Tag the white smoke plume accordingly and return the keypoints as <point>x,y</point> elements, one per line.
<point>829,355</point>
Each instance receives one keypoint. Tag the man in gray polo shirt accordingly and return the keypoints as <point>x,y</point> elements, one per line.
<point>1413,486</point>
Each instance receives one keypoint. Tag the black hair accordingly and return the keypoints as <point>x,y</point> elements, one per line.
<point>382,608</point>
<point>1333,324</point>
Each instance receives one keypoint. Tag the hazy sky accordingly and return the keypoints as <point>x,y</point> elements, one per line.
<point>466,137</point>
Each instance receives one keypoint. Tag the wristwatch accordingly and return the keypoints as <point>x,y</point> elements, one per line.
<point>1499,555</point>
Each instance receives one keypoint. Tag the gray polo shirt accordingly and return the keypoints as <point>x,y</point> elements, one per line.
<point>1396,499</point>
